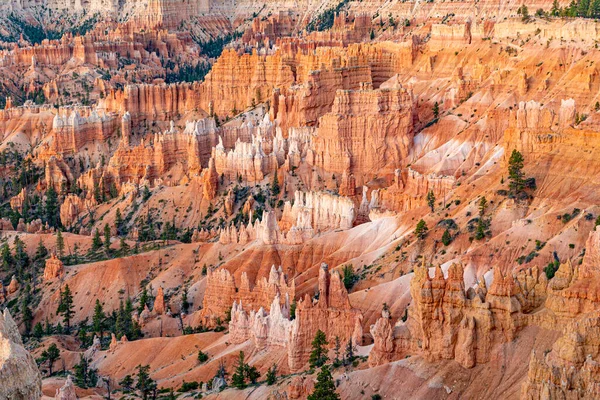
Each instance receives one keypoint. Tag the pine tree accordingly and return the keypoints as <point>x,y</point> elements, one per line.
<point>582,8</point>
<point>184,300</point>
<point>202,356</point>
<point>106,238</point>
<point>436,110</point>
<point>50,355</point>
<point>143,299</point>
<point>96,241</point>
<point>431,200</point>
<point>238,379</point>
<point>421,230</point>
<point>325,387</point>
<point>41,251</point>
<point>60,244</point>
<point>65,307</point>
<point>119,222</point>
<point>318,356</point>
<point>99,318</point>
<point>38,330</point>
<point>336,351</point>
<point>595,13</point>
<point>26,315</point>
<point>446,237</point>
<point>127,383</point>
<point>482,206</point>
<point>515,173</point>
<point>85,376</point>
<point>145,384</point>
<point>123,247</point>
<point>275,189</point>
<point>51,210</point>
<point>21,257</point>
<point>555,12</point>
<point>272,375</point>
<point>349,355</point>
<point>293,308</point>
<point>6,256</point>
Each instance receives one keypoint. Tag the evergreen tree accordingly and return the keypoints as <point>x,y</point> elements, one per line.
<point>26,314</point>
<point>65,307</point>
<point>482,206</point>
<point>318,356</point>
<point>325,387</point>
<point>583,7</point>
<point>293,309</point>
<point>272,375</point>
<point>119,222</point>
<point>38,331</point>
<point>244,373</point>
<point>202,356</point>
<point>275,189</point>
<point>96,241</point>
<point>184,300</point>
<point>41,251</point>
<point>51,210</point>
<point>431,200</point>
<point>515,173</point>
<point>238,379</point>
<point>336,351</point>
<point>50,355</point>
<point>555,11</point>
<point>349,277</point>
<point>85,377</point>
<point>349,355</point>
<point>446,237</point>
<point>21,258</point>
<point>421,230</point>
<point>145,384</point>
<point>123,247</point>
<point>60,244</point>
<point>106,238</point>
<point>143,299</point>
<point>595,13</point>
<point>126,383</point>
<point>436,110</point>
<point>99,318</point>
<point>6,256</point>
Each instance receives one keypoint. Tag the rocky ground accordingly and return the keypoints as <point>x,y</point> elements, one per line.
<point>185,181</point>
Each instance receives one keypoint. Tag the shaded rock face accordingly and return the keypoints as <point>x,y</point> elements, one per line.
<point>19,375</point>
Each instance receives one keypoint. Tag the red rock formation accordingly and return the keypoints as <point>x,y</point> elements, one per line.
<point>331,314</point>
<point>570,369</point>
<point>159,302</point>
<point>445,322</point>
<point>13,286</point>
<point>54,268</point>
<point>366,134</point>
<point>16,202</point>
<point>222,291</point>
